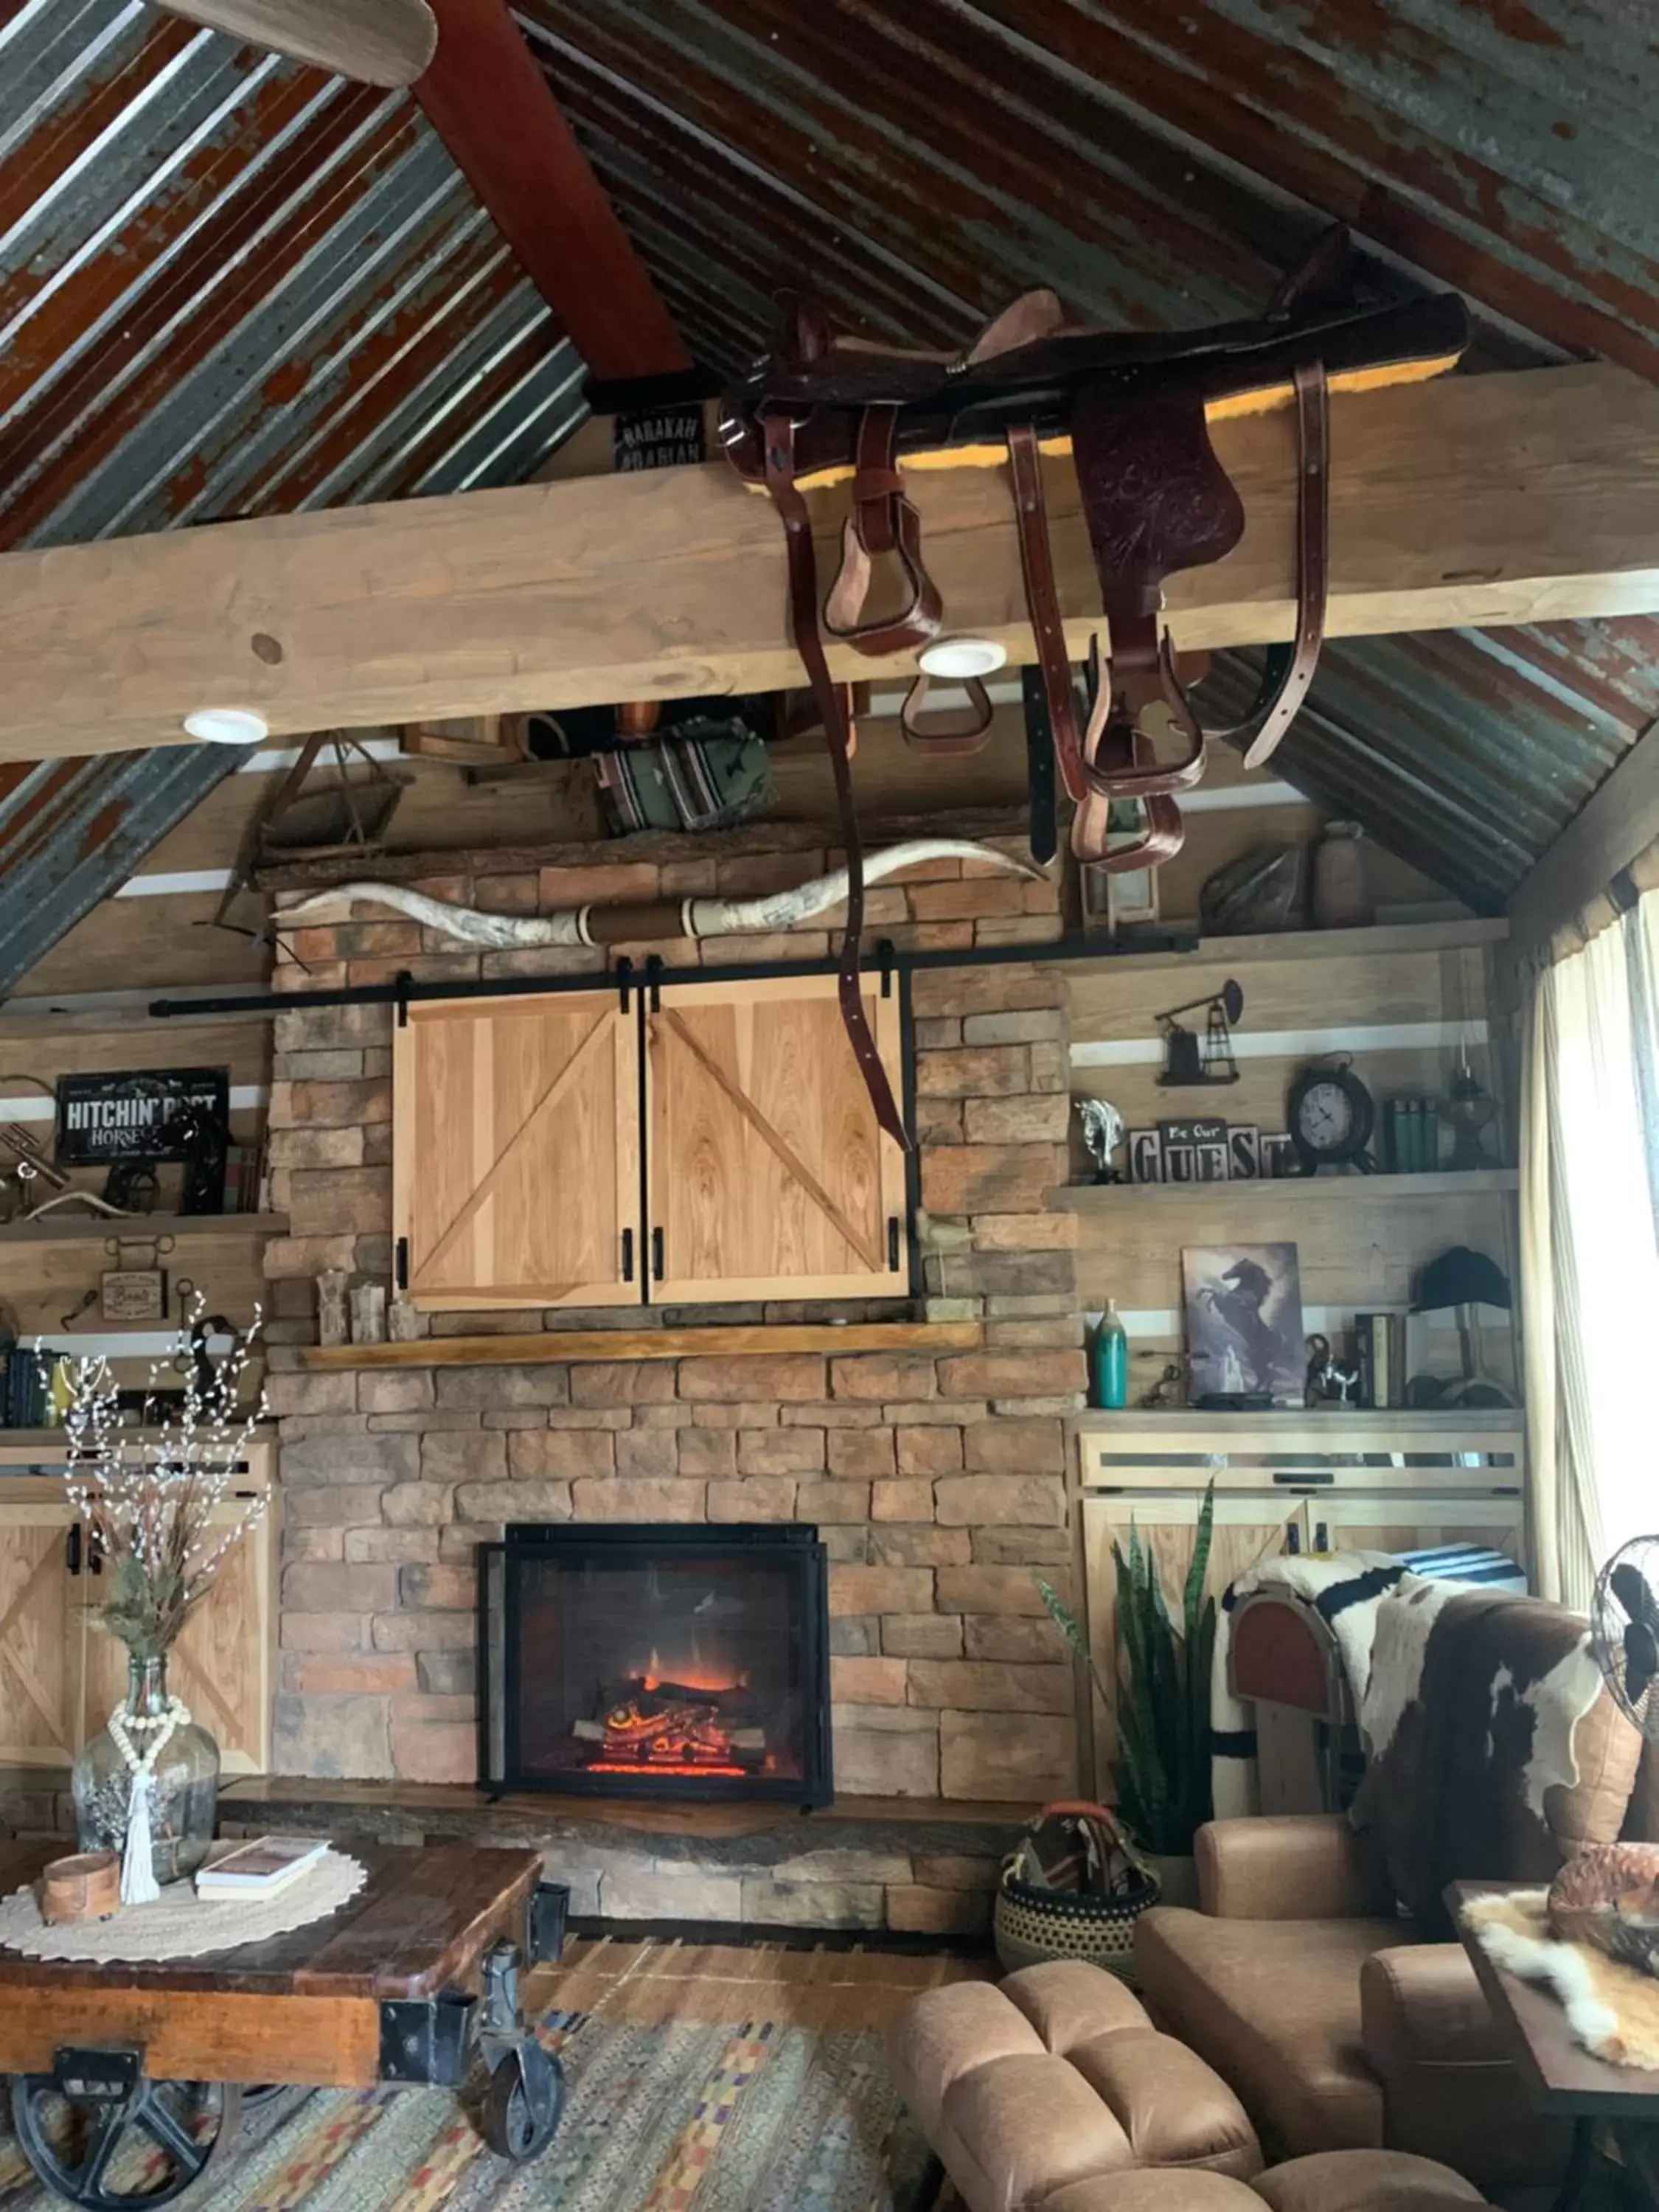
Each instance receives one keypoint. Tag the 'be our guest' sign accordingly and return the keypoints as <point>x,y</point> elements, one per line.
<point>138,1116</point>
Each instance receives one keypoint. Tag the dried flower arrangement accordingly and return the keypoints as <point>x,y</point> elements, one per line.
<point>152,1503</point>
<point>162,1515</point>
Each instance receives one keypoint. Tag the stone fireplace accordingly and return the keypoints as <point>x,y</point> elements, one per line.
<point>652,1660</point>
<point>936,1482</point>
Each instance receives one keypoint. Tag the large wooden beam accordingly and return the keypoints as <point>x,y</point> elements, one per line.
<point>1477,501</point>
<point>493,109</point>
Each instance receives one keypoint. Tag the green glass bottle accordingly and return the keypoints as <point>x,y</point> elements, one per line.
<point>1109,1362</point>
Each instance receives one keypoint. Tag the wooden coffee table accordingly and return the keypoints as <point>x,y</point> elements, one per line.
<point>1561,2076</point>
<point>117,2066</point>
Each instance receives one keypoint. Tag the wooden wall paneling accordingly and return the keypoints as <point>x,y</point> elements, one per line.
<point>45,1281</point>
<point>42,1629</point>
<point>1346,1523</point>
<point>516,1167</point>
<point>241,1047</point>
<point>768,1174</point>
<point>158,943</point>
<point>1355,1251</point>
<point>1337,980</point>
<point>439,809</point>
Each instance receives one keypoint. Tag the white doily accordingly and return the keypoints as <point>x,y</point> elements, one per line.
<point>179,1924</point>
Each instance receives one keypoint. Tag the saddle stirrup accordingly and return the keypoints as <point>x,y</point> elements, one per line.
<point>883,523</point>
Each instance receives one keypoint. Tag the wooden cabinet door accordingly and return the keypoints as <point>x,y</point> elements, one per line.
<point>1247,1529</point>
<point>42,1629</point>
<point>516,1151</point>
<point>768,1174</point>
<point>1403,1520</point>
<point>221,1665</point>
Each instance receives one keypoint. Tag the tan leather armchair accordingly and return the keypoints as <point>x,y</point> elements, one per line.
<point>1306,1992</point>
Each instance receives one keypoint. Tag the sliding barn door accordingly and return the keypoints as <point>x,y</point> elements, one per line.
<point>769,1176</point>
<point>516,1161</point>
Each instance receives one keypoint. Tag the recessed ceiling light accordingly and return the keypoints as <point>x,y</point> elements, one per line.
<point>962,656</point>
<point>227,725</point>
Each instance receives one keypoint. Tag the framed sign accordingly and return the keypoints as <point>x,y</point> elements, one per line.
<point>657,438</point>
<point>104,1118</point>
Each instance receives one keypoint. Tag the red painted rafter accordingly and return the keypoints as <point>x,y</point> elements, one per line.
<point>492,107</point>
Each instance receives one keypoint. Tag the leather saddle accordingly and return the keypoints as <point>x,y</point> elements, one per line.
<point>1133,410</point>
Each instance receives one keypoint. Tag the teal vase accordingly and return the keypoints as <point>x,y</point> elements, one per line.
<point>1108,1362</point>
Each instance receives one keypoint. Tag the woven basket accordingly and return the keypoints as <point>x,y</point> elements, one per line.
<point>1032,1924</point>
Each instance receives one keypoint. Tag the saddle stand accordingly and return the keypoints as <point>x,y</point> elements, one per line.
<point>1133,411</point>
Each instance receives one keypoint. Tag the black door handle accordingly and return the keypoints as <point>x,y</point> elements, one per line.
<point>657,1255</point>
<point>72,1549</point>
<point>627,1255</point>
<point>94,1553</point>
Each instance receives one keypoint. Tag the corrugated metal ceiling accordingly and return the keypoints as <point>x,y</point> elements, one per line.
<point>227,285</point>
<point>1161,165</point>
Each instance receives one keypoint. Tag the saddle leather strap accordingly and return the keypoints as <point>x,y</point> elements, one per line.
<point>803,570</point>
<point>883,522</point>
<point>1162,837</point>
<point>1289,669</point>
<point>1043,602</point>
<point>941,735</point>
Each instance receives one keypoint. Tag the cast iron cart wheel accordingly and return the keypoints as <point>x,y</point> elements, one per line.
<point>523,2103</point>
<point>161,2143</point>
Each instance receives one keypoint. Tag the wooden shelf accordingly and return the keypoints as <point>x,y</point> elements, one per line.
<point>1307,945</point>
<point>1092,1197</point>
<point>1338,1427</point>
<point>139,1228</point>
<point>556,1346</point>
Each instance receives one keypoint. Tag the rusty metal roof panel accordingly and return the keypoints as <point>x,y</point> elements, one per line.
<point>232,285</point>
<point>1466,752</point>
<point>228,285</point>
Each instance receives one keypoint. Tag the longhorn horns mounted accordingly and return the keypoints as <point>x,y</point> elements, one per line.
<point>616,925</point>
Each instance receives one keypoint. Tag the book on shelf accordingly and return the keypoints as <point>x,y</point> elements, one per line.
<point>23,1405</point>
<point>1380,1343</point>
<point>261,1867</point>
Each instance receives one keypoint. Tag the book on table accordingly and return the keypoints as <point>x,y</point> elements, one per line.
<point>256,1868</point>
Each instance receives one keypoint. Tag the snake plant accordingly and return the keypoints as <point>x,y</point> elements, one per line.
<point>1161,1697</point>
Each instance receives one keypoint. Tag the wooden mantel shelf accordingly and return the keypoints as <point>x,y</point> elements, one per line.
<point>555,1347</point>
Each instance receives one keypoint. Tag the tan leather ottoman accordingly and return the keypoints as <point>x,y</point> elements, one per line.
<point>1058,2076</point>
<point>1328,2181</point>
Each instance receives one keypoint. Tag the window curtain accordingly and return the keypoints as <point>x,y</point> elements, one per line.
<point>1589,1240</point>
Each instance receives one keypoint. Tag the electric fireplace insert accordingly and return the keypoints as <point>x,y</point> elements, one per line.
<point>655,1660</point>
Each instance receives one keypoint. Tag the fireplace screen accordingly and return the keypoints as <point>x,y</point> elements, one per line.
<point>656,1661</point>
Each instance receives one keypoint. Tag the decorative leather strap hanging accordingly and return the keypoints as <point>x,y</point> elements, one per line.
<point>802,569</point>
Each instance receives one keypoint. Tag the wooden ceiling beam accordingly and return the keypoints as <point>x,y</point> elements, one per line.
<point>493,109</point>
<point>1472,502</point>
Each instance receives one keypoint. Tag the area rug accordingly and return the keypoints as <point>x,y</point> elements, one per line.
<point>680,2115</point>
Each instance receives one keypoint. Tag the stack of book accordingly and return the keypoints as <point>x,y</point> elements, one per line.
<point>1380,1342</point>
<point>261,1868</point>
<point>23,1398</point>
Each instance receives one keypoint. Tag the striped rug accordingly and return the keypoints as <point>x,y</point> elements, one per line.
<point>787,2104</point>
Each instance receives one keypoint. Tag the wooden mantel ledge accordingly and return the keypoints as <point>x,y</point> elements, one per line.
<point>556,1346</point>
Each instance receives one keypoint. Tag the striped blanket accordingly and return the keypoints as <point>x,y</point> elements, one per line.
<point>1346,1589</point>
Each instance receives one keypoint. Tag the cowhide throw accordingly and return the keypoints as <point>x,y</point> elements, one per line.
<point>1468,1722</point>
<point>1612,2009</point>
<point>1346,1589</point>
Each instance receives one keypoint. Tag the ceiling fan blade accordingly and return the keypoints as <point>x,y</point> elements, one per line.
<point>386,42</point>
